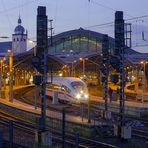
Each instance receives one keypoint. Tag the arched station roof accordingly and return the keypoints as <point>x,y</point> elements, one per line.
<point>70,46</point>
<point>78,41</point>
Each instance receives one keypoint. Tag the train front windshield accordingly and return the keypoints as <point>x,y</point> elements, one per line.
<point>81,89</point>
<point>78,85</point>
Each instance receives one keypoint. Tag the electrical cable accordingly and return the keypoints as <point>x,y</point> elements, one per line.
<point>104,6</point>
<point>9,22</point>
<point>55,17</point>
<point>18,6</point>
<point>112,23</point>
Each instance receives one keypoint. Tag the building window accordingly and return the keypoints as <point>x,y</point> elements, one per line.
<point>17,39</point>
<point>24,39</point>
<point>14,40</point>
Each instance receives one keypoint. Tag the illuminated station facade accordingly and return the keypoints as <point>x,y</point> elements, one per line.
<point>74,53</point>
<point>80,50</point>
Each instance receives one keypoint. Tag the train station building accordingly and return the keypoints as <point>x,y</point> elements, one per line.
<point>73,53</point>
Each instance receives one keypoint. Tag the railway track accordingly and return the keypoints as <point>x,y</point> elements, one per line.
<point>145,122</point>
<point>30,129</point>
<point>140,133</point>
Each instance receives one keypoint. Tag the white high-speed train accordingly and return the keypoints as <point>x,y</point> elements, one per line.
<point>70,89</point>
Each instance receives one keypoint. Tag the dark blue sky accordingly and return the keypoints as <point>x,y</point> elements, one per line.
<point>73,14</point>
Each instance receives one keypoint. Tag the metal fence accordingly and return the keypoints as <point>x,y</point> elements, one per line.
<point>13,134</point>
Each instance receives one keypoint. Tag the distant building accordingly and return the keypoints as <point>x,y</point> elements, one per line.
<point>18,43</point>
<point>19,39</point>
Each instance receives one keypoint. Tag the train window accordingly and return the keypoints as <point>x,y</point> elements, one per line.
<point>57,87</point>
<point>65,88</point>
<point>49,86</point>
<point>54,86</point>
<point>78,85</point>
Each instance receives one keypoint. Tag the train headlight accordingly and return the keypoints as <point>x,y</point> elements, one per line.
<point>78,96</point>
<point>81,92</point>
<point>86,96</point>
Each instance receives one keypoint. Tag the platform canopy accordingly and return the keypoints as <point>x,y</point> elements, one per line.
<point>24,61</point>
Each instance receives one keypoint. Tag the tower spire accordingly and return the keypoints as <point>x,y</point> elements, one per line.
<point>19,20</point>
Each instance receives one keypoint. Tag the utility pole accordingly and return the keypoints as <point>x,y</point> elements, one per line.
<point>10,75</point>
<point>42,44</point>
<point>83,67</point>
<point>105,72</point>
<point>40,63</point>
<point>51,33</point>
<point>1,69</point>
<point>51,44</point>
<point>63,128</point>
<point>119,51</point>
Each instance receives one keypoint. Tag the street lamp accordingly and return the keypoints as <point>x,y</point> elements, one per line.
<point>83,60</point>
<point>1,65</point>
<point>10,75</point>
<point>35,86</point>
<point>143,80</point>
<point>72,68</point>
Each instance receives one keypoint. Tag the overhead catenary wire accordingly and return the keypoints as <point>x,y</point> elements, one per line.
<point>56,14</point>
<point>112,23</point>
<point>18,6</point>
<point>105,6</point>
<point>9,21</point>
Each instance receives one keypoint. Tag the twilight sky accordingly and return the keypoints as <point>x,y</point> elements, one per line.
<point>73,14</point>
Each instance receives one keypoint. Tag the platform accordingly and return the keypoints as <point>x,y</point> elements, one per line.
<point>136,109</point>
<point>53,118</point>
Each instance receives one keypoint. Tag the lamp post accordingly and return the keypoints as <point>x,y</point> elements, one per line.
<point>63,124</point>
<point>10,75</point>
<point>35,86</point>
<point>72,68</point>
<point>1,65</point>
<point>83,60</point>
<point>143,81</point>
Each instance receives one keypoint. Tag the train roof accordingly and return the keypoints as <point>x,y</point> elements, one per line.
<point>65,79</point>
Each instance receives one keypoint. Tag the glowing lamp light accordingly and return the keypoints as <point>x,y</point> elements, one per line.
<point>8,50</point>
<point>142,62</point>
<point>81,59</point>
<point>78,96</point>
<point>81,91</point>
<point>86,96</point>
<point>60,74</point>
